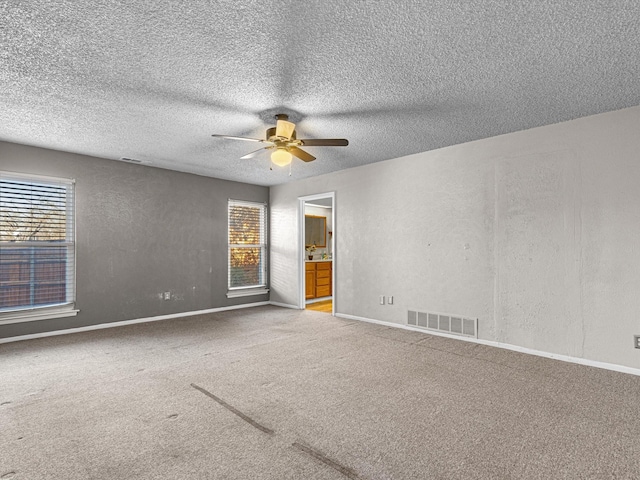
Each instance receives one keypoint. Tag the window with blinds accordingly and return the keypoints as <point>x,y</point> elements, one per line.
<point>37,247</point>
<point>247,245</point>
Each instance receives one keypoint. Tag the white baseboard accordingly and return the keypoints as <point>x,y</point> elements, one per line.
<point>284,305</point>
<point>565,358</point>
<point>122,323</point>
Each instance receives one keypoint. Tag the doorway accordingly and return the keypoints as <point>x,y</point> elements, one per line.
<point>317,264</point>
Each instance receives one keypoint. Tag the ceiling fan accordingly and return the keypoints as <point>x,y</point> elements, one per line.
<point>282,142</point>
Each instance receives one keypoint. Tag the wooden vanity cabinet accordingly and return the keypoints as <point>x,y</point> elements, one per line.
<point>318,279</point>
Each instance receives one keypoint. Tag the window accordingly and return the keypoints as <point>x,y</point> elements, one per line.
<point>247,248</point>
<point>37,247</point>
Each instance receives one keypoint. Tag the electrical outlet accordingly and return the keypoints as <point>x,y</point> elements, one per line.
<point>381,299</point>
<point>390,301</point>
<point>166,295</point>
<point>636,341</point>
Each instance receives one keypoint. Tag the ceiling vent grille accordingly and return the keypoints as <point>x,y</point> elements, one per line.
<point>130,160</point>
<point>446,323</point>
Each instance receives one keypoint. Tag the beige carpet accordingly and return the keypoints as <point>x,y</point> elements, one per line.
<point>270,393</point>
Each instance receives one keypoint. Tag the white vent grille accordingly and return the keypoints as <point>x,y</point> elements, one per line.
<point>444,322</point>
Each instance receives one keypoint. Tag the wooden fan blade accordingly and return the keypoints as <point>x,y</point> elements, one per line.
<point>254,153</point>
<point>325,142</point>
<point>301,154</point>
<point>231,137</point>
<point>285,129</point>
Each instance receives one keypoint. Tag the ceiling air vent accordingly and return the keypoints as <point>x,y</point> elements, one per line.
<point>443,322</point>
<point>130,160</point>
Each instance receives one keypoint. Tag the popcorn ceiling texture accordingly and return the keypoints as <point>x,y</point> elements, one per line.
<point>153,80</point>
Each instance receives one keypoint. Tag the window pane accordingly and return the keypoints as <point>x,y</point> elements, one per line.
<point>34,276</point>
<point>245,266</point>
<point>32,212</point>
<point>244,225</point>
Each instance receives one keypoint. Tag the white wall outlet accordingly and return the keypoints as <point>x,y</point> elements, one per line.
<point>381,299</point>
<point>166,295</point>
<point>390,301</point>
<point>636,341</point>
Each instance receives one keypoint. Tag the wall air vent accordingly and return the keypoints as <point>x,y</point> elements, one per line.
<point>445,323</point>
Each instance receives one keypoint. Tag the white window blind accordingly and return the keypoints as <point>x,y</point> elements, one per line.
<point>37,242</point>
<point>247,245</point>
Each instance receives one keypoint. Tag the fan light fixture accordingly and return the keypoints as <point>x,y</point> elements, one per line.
<point>282,142</point>
<point>281,157</point>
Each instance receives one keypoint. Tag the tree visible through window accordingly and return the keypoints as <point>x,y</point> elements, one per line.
<point>247,244</point>
<point>37,251</point>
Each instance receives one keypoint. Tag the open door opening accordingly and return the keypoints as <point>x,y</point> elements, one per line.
<point>317,247</point>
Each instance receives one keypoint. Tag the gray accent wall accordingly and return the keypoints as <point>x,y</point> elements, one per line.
<point>535,233</point>
<point>140,231</point>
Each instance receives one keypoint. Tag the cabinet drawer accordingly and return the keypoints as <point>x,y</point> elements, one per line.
<point>323,273</point>
<point>310,267</point>
<point>324,291</point>
<point>324,266</point>
<point>323,281</point>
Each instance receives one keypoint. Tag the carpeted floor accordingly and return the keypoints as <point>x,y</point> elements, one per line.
<point>271,393</point>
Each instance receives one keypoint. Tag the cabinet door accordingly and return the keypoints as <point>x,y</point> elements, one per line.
<point>310,284</point>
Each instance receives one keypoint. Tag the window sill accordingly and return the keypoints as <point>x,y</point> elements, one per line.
<point>34,315</point>
<point>247,292</point>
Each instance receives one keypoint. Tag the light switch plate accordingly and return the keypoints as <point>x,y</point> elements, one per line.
<point>636,341</point>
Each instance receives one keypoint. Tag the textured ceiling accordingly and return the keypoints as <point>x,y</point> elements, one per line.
<point>152,80</point>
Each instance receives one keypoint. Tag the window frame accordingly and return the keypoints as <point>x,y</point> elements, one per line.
<point>20,314</point>
<point>249,290</point>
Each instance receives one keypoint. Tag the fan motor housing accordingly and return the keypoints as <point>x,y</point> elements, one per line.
<point>271,133</point>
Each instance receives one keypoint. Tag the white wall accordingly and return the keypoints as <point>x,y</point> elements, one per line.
<point>535,233</point>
